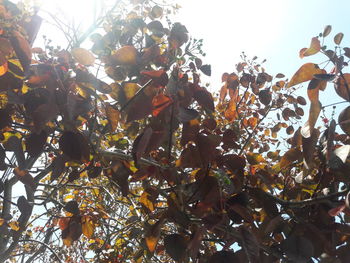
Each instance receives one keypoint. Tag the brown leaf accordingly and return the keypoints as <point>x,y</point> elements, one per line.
<point>250,244</point>
<point>309,147</point>
<point>344,120</point>
<point>24,206</point>
<point>204,99</point>
<point>327,30</point>
<point>160,102</point>
<point>342,86</point>
<point>305,73</point>
<point>83,56</point>
<point>152,235</point>
<point>75,146</point>
<point>43,114</point>
<point>113,116</point>
<point>35,143</point>
<point>189,131</point>
<point>298,248</point>
<point>289,157</point>
<point>265,96</point>
<point>140,144</point>
<point>338,38</point>
<point>175,246</point>
<point>125,56</point>
<point>223,257</point>
<point>22,49</point>
<point>72,207</point>
<point>5,118</point>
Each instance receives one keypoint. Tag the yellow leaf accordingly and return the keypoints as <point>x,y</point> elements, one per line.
<point>2,221</point>
<point>305,72</point>
<point>289,157</point>
<point>130,89</point>
<point>88,226</point>
<point>14,225</point>
<point>3,68</point>
<point>83,56</point>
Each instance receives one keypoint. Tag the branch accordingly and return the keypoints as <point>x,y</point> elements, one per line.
<point>306,202</point>
<point>43,245</point>
<point>126,157</point>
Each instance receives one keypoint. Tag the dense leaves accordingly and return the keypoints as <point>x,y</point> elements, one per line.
<point>122,154</point>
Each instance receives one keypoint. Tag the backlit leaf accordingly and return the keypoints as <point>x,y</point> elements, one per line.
<point>140,144</point>
<point>83,56</point>
<point>289,157</point>
<point>327,30</point>
<point>305,73</point>
<point>113,116</point>
<point>315,47</point>
<point>125,56</point>
<point>152,235</point>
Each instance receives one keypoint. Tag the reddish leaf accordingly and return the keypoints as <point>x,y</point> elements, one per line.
<point>250,244</point>
<point>25,177</point>
<point>189,131</point>
<point>160,102</point>
<point>43,114</point>
<point>159,77</point>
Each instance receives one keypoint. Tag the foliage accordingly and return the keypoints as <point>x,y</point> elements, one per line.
<point>149,166</point>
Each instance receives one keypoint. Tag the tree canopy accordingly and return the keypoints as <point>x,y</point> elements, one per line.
<point>124,155</point>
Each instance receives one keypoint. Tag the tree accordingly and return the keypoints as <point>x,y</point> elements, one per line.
<point>150,166</point>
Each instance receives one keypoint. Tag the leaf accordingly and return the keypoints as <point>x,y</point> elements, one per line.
<point>336,210</point>
<point>87,226</point>
<point>314,48</point>
<point>223,257</point>
<point>327,77</point>
<point>159,77</point>
<point>83,56</point>
<point>305,73</point>
<point>175,246</point>
<point>140,144</point>
<point>35,143</point>
<point>5,118</point>
<point>301,100</point>
<point>186,115</point>
<point>75,146</point>
<point>204,99</point>
<point>289,157</point>
<point>113,116</point>
<point>298,248</point>
<point>160,102</point>
<point>342,86</point>
<point>344,120</point>
<point>206,69</point>
<point>72,207</point>
<point>265,96</point>
<point>43,114</point>
<point>125,56</point>
<point>189,131</point>
<point>22,49</point>
<point>146,200</point>
<point>152,235</point>
<point>309,147</point>
<point>338,38</point>
<point>307,129</point>
<point>250,244</point>
<point>327,30</point>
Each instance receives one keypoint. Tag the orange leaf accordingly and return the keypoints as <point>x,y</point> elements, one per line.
<point>305,72</point>
<point>160,102</point>
<point>152,236</point>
